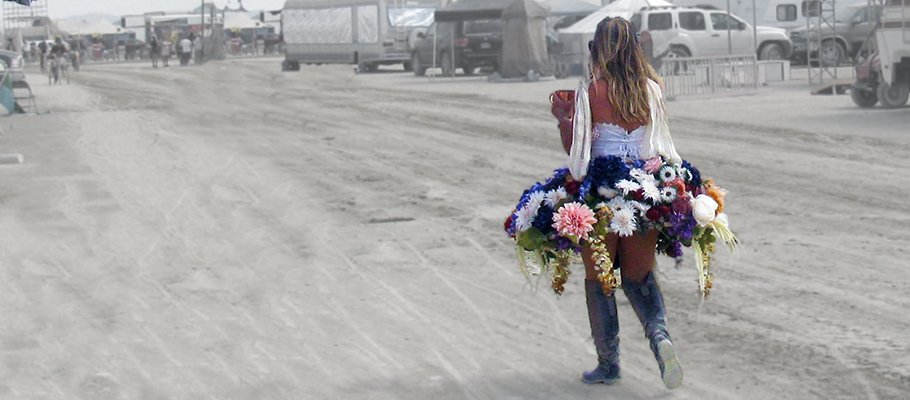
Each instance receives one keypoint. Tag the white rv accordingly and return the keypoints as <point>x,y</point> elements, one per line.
<point>367,33</point>
<point>786,14</point>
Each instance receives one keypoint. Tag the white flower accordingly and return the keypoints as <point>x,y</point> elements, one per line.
<point>640,174</point>
<point>619,203</point>
<point>524,218</point>
<point>722,220</point>
<point>607,192</point>
<point>554,196</point>
<point>667,173</point>
<point>652,192</point>
<point>535,199</point>
<point>685,174</point>
<point>703,209</point>
<point>623,222</point>
<point>635,205</point>
<point>668,194</point>
<point>627,186</point>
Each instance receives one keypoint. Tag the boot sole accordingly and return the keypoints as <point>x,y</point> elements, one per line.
<point>608,382</point>
<point>671,371</point>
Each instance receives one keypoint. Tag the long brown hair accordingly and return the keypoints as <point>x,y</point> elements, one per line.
<point>617,57</point>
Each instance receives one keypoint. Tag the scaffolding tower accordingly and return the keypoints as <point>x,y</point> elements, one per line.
<point>18,16</point>
<point>820,18</point>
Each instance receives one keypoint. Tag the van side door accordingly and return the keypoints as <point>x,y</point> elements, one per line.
<point>660,27</point>
<point>735,38</point>
<point>693,24</point>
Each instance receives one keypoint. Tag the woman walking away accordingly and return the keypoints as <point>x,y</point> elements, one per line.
<point>624,195</point>
<point>155,49</point>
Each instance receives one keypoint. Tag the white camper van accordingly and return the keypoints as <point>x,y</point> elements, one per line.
<point>786,14</point>
<point>367,33</point>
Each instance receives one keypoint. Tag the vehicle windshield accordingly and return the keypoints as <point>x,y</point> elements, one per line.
<point>482,26</point>
<point>406,17</point>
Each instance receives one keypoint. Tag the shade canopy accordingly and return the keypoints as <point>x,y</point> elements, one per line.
<point>472,9</point>
<point>621,8</point>
<point>569,7</point>
<point>241,21</point>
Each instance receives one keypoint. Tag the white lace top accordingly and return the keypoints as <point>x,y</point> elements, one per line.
<point>655,140</point>
<point>614,140</point>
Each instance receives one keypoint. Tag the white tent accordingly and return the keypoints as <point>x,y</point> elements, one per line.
<point>575,38</point>
<point>241,21</point>
<point>103,27</point>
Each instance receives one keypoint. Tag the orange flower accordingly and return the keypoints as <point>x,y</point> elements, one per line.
<point>715,192</point>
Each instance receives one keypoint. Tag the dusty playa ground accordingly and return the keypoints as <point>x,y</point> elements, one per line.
<point>234,232</point>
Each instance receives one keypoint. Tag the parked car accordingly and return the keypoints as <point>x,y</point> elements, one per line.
<point>468,45</point>
<point>697,32</point>
<point>851,27</point>
<point>14,63</point>
<point>135,49</point>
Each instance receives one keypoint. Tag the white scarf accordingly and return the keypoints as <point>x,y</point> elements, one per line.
<point>657,133</point>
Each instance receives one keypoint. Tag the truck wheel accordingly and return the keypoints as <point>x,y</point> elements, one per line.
<point>831,53</point>
<point>468,69</point>
<point>893,96</point>
<point>446,63</point>
<point>771,51</point>
<point>863,97</point>
<point>290,65</point>
<point>419,70</point>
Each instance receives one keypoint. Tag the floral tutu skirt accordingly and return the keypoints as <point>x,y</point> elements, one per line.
<point>554,219</point>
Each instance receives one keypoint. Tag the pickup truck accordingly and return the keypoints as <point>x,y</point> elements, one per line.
<point>851,28</point>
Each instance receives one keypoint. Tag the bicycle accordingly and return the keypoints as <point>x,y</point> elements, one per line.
<point>58,69</point>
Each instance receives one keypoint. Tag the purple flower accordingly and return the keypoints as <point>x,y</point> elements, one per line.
<point>675,249</point>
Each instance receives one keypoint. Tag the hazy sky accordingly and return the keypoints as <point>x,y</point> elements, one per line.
<point>68,8</point>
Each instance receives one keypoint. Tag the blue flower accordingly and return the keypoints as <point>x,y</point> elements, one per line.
<point>693,172</point>
<point>604,171</point>
<point>544,220</point>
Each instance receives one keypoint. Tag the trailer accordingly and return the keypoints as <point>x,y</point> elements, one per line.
<point>366,33</point>
<point>884,76</point>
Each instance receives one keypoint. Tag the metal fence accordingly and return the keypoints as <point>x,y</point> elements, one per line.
<point>695,76</point>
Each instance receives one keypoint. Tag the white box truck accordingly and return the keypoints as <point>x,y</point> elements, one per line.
<point>367,33</point>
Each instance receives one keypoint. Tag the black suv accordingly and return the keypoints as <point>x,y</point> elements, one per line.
<point>467,45</point>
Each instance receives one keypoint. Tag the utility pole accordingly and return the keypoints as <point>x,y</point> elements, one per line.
<point>202,31</point>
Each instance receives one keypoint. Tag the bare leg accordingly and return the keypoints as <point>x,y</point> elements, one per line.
<point>587,255</point>
<point>636,255</point>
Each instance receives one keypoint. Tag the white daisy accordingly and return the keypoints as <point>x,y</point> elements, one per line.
<point>607,193</point>
<point>636,206</point>
<point>554,196</point>
<point>618,203</point>
<point>639,174</point>
<point>623,222</point>
<point>524,218</point>
<point>535,199</point>
<point>667,173</point>
<point>652,192</point>
<point>668,194</point>
<point>627,186</point>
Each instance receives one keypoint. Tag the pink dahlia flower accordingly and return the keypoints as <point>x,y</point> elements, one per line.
<point>653,165</point>
<point>574,219</point>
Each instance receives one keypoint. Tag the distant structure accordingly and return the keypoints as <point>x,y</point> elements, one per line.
<point>18,16</point>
